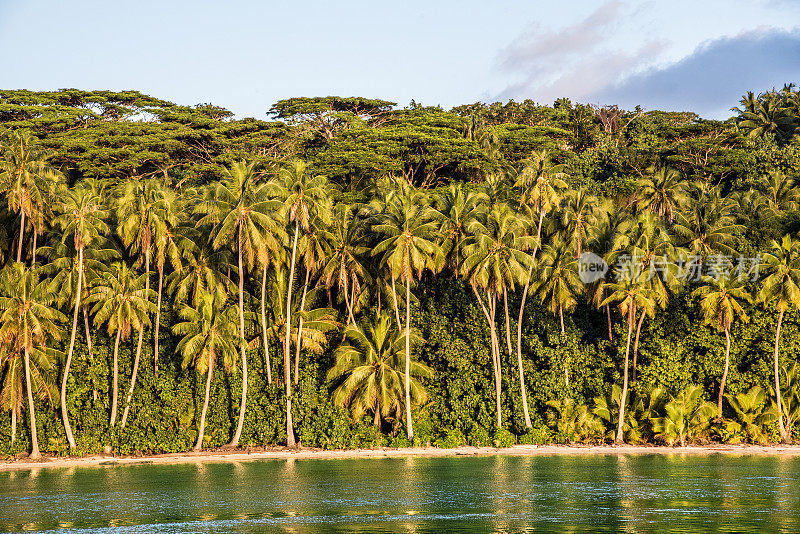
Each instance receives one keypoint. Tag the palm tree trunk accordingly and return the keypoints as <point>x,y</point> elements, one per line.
<point>784,437</point>
<point>724,372</point>
<point>636,346</point>
<point>138,345</point>
<point>13,424</point>
<point>290,441</point>
<point>519,363</point>
<point>33,254</point>
<point>158,319</point>
<point>21,234</point>
<point>264,324</point>
<point>201,432</point>
<point>115,380</point>
<point>409,424</point>
<point>350,318</point>
<point>64,412</point>
<point>89,348</point>
<point>608,319</point>
<point>525,291</point>
<point>561,318</point>
<point>243,404</point>
<point>620,438</point>
<point>396,307</point>
<point>495,360</point>
<point>300,331</point>
<point>34,438</point>
<point>497,369</point>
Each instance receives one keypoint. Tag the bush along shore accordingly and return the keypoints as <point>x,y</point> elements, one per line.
<point>352,274</point>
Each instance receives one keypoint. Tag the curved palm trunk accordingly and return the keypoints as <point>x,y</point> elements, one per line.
<point>158,319</point>
<point>290,441</point>
<point>396,307</point>
<point>608,320</point>
<point>300,331</point>
<point>243,404</point>
<point>201,432</point>
<point>34,438</point>
<point>138,347</point>
<point>115,381</point>
<point>784,437</point>
<point>33,253</point>
<point>636,347</point>
<point>21,234</point>
<point>519,364</point>
<point>409,423</point>
<point>264,324</point>
<point>620,438</point>
<point>64,412</point>
<point>495,360</point>
<point>724,372</point>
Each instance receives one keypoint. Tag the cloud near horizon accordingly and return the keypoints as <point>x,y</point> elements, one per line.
<point>581,62</point>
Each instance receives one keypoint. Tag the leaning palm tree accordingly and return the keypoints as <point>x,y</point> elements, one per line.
<point>495,263</point>
<point>142,214</point>
<point>209,333</point>
<point>631,295</point>
<point>82,221</point>
<point>303,195</point>
<point>28,324</point>
<point>721,302</point>
<point>662,192</point>
<point>123,303</point>
<point>241,216</point>
<point>368,371</point>
<point>781,289</point>
<point>409,247</point>
<point>28,180</point>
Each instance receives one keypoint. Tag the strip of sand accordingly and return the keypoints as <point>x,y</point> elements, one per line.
<point>319,454</point>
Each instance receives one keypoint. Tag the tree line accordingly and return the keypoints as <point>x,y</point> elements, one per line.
<point>324,244</point>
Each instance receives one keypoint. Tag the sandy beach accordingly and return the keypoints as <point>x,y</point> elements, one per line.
<point>319,454</point>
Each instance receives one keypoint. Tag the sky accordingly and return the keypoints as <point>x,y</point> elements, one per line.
<point>244,55</point>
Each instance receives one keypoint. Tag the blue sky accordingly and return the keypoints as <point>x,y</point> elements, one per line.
<point>699,55</point>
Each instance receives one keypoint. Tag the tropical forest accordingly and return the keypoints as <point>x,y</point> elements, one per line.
<point>353,273</point>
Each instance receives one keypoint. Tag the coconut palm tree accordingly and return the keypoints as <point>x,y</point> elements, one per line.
<point>710,226</point>
<point>605,243</point>
<point>579,212</point>
<point>28,324</point>
<point>346,266</point>
<point>209,333</point>
<point>304,197</point>
<point>722,302</point>
<point>662,192</point>
<point>202,270</point>
<point>28,180</point>
<point>494,263</point>
<point>456,207</point>
<point>368,371</point>
<point>242,216</point>
<point>167,248</point>
<point>81,220</point>
<point>409,247</point>
<point>781,289</point>
<point>631,295</point>
<point>123,303</point>
<point>764,115</point>
<point>781,193</point>
<point>142,215</point>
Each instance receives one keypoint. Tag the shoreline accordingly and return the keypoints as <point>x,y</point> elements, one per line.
<point>282,453</point>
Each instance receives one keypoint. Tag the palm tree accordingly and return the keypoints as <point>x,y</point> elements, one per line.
<point>209,332</point>
<point>710,226</point>
<point>495,262</point>
<point>408,248</point>
<point>121,302</point>
<point>605,243</point>
<point>663,193</point>
<point>368,371</point>
<point>632,295</point>
<point>781,288</point>
<point>303,196</point>
<point>28,323</point>
<point>346,266</point>
<point>167,248</point>
<point>722,300</point>
<point>763,115</point>
<point>456,207</point>
<point>141,215</point>
<point>81,219</point>
<point>241,216</point>
<point>579,213</point>
<point>781,193</point>
<point>28,181</point>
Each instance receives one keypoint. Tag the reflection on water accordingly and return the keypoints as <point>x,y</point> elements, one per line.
<point>633,493</point>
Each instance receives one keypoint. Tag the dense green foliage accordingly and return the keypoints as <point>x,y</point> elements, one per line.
<point>356,245</point>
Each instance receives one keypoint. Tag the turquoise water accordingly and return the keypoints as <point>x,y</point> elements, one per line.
<point>636,493</point>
